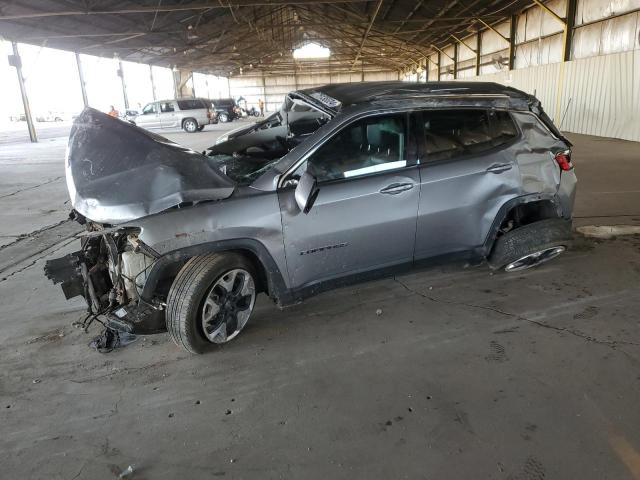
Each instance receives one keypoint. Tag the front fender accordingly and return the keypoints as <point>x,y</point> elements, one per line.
<point>169,264</point>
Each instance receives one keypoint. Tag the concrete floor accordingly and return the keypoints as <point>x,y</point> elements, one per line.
<point>464,374</point>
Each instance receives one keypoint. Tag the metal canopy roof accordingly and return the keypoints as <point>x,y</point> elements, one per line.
<point>222,36</point>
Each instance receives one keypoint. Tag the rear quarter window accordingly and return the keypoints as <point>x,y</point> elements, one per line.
<point>449,134</point>
<point>191,104</point>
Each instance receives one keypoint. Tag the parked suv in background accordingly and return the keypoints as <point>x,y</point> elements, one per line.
<point>373,178</point>
<point>190,114</point>
<point>226,109</point>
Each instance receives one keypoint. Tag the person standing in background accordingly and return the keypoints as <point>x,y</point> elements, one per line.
<point>113,112</point>
<point>261,106</point>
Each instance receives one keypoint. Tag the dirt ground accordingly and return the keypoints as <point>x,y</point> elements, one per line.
<point>446,373</point>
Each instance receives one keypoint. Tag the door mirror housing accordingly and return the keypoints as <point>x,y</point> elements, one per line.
<point>306,192</point>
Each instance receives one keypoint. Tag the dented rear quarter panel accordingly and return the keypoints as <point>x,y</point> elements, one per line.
<point>539,171</point>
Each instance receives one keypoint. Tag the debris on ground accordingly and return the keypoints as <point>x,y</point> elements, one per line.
<point>111,339</point>
<point>379,312</point>
<point>126,472</point>
<point>54,335</point>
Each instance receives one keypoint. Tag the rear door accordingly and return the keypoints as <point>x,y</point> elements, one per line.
<point>169,117</point>
<point>150,116</point>
<point>467,172</point>
<point>364,217</point>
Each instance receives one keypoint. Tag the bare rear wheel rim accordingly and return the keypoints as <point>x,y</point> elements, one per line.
<point>535,258</point>
<point>228,305</point>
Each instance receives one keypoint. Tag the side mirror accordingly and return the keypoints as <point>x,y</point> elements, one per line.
<point>306,192</point>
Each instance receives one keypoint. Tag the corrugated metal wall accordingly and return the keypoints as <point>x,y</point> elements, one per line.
<point>595,96</point>
<point>596,93</point>
<point>273,88</point>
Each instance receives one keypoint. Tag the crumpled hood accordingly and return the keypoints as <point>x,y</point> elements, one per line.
<point>117,172</point>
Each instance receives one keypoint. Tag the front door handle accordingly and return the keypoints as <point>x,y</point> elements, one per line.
<point>499,167</point>
<point>396,188</point>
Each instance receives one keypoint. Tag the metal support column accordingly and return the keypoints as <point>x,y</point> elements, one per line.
<point>512,40</point>
<point>478,54</point>
<point>176,91</point>
<point>124,86</point>
<point>439,63</point>
<point>455,60</point>
<point>570,22</point>
<point>153,84</point>
<point>83,87</point>
<point>15,61</point>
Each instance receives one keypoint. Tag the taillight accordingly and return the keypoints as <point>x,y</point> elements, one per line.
<point>564,160</point>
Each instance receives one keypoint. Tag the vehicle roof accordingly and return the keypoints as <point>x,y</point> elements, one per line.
<point>364,92</point>
<point>181,99</point>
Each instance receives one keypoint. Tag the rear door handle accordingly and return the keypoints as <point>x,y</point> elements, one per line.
<point>499,167</point>
<point>396,188</point>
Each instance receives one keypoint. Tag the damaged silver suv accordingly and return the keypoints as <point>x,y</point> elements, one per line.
<point>346,182</point>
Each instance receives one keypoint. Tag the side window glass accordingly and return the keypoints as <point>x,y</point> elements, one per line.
<point>502,126</point>
<point>454,133</point>
<point>166,107</point>
<point>367,146</point>
<point>191,104</point>
<point>149,108</point>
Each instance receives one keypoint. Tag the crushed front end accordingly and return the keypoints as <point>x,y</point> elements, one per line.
<point>109,271</point>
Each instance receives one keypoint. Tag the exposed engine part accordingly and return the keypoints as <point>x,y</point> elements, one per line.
<point>132,268</point>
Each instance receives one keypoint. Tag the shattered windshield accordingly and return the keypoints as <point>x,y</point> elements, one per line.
<point>247,153</point>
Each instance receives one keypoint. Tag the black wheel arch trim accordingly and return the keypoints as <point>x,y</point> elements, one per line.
<point>276,285</point>
<point>510,205</point>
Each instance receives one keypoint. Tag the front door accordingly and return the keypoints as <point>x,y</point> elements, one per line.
<point>364,217</point>
<point>150,117</point>
<point>467,172</point>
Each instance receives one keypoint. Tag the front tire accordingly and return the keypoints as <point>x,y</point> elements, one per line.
<point>210,301</point>
<point>190,125</point>
<point>531,245</point>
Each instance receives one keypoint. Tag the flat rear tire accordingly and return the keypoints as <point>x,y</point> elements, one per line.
<point>531,245</point>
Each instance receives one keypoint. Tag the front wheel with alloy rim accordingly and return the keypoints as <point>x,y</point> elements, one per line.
<point>531,245</point>
<point>190,125</point>
<point>210,300</point>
